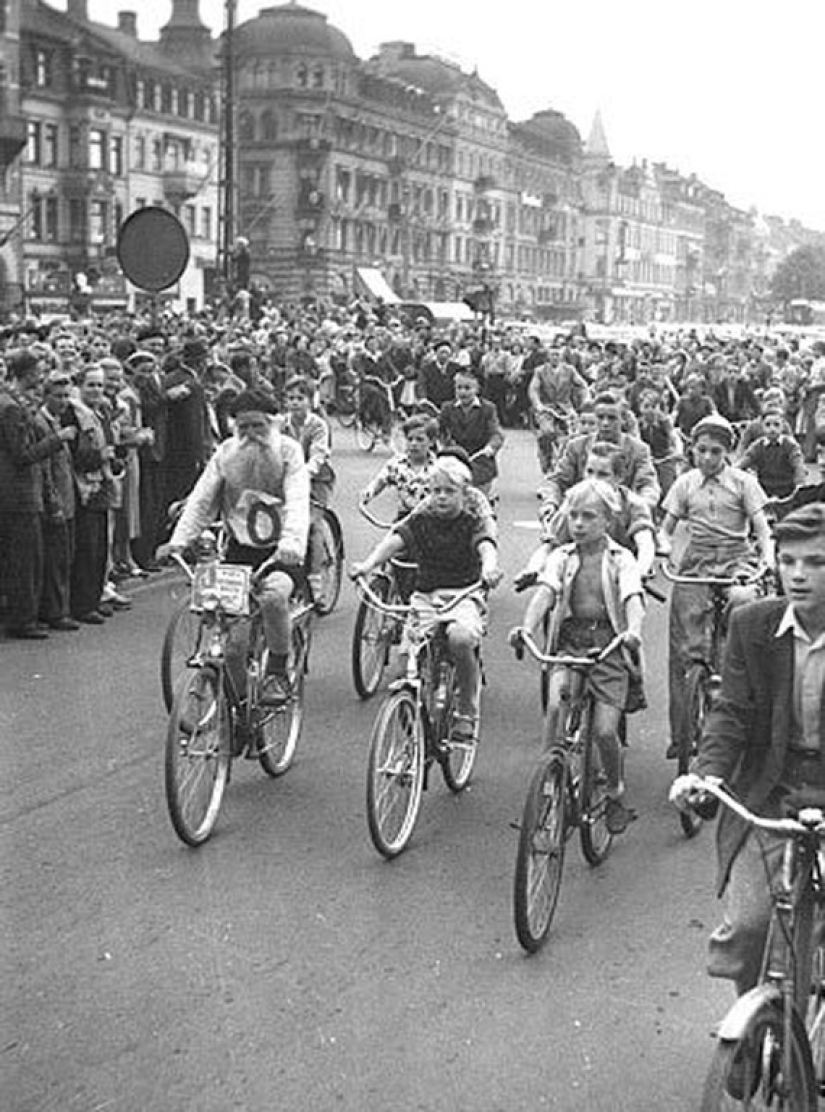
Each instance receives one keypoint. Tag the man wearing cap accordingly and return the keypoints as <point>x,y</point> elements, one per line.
<point>187,422</point>
<point>257,483</point>
<point>22,451</point>
<point>720,506</point>
<point>765,737</point>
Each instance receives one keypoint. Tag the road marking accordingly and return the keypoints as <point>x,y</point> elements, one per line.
<point>532,524</point>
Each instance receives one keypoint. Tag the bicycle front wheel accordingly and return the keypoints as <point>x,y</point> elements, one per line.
<point>371,641</point>
<point>181,641</point>
<point>763,1069</point>
<point>697,701</point>
<point>395,773</point>
<point>280,727</point>
<point>457,766</point>
<point>540,858</point>
<point>197,755</point>
<point>331,570</point>
<point>596,839</point>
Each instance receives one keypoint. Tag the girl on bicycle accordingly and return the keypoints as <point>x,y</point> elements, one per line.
<point>453,548</point>
<point>593,588</point>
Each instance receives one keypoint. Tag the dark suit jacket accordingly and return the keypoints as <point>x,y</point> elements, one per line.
<point>739,404</point>
<point>473,429</point>
<point>746,736</point>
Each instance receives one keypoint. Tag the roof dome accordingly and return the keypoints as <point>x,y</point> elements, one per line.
<point>556,133</point>
<point>291,29</point>
<point>436,76</point>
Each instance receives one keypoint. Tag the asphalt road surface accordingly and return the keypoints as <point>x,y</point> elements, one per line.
<point>286,966</point>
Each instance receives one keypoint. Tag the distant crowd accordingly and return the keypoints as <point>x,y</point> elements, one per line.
<point>106,424</point>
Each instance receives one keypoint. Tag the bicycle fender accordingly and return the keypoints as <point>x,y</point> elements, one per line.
<point>735,1023</point>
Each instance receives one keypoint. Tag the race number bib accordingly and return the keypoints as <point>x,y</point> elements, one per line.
<point>256,519</point>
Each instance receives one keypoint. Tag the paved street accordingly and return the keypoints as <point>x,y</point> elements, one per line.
<point>285,965</point>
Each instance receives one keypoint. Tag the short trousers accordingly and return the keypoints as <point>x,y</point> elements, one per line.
<point>470,613</point>
<point>609,679</point>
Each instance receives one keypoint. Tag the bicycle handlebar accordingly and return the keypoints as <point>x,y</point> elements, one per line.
<point>373,520</point>
<point>715,580</point>
<point>441,611</point>
<point>526,641</point>
<point>786,826</point>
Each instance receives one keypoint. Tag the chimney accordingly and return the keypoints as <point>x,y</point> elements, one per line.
<point>78,9</point>
<point>127,23</point>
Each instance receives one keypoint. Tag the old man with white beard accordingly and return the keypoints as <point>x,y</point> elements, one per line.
<point>258,485</point>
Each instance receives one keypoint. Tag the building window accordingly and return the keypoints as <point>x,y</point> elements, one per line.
<point>50,148</point>
<point>189,219</point>
<point>97,149</point>
<point>302,76</point>
<point>43,69</point>
<point>140,152</point>
<point>116,156</point>
<point>318,77</point>
<point>75,147</point>
<point>206,222</point>
<point>34,143</point>
<point>157,155</point>
<point>99,221</point>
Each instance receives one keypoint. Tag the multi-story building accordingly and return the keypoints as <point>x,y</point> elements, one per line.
<point>12,142</point>
<point>113,124</point>
<point>400,175</point>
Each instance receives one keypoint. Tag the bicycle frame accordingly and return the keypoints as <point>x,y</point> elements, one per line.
<point>792,965</point>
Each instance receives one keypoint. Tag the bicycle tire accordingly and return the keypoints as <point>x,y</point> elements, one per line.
<point>596,839</point>
<point>540,855</point>
<point>279,728</point>
<point>459,761</point>
<point>197,758</point>
<point>696,701</point>
<point>749,1072</point>
<point>372,640</point>
<point>395,773</point>
<point>332,566</point>
<point>181,641</point>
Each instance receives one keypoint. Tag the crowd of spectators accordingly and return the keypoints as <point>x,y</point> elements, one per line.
<point>106,424</point>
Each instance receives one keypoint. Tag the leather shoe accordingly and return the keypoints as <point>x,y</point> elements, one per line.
<point>92,618</point>
<point>104,609</point>
<point>64,625</point>
<point>120,603</point>
<point>29,633</point>
<point>275,690</point>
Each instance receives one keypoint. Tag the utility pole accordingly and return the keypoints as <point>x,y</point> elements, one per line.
<point>228,136</point>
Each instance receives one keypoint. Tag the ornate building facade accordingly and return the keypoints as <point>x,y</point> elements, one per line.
<point>400,176</point>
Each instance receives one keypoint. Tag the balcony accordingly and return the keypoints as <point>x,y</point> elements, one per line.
<point>482,226</point>
<point>484,183</point>
<point>310,203</point>
<point>312,150</point>
<point>13,137</point>
<point>180,185</point>
<point>81,181</point>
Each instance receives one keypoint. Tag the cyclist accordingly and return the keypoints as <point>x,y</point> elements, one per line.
<point>471,423</point>
<point>593,588</point>
<point>453,548</point>
<point>408,472</point>
<point>765,737</point>
<point>312,433</point>
<point>775,457</point>
<point>719,504</point>
<point>258,484</point>
<point>556,391</point>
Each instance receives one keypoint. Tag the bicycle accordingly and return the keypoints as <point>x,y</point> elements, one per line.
<point>412,730</point>
<point>212,722</point>
<point>376,632</point>
<point>771,1044</point>
<point>331,568</point>
<point>704,676</point>
<point>567,791</point>
<point>370,428</point>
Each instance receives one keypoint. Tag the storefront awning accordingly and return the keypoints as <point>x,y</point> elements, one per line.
<point>376,285</point>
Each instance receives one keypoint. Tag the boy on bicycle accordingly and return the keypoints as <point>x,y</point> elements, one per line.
<point>765,737</point>
<point>593,588</point>
<point>453,549</point>
<point>720,505</point>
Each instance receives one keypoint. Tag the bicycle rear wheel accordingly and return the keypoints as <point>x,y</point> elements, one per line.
<point>596,839</point>
<point>331,570</point>
<point>697,701</point>
<point>197,761</point>
<point>279,728</point>
<point>751,1072</point>
<point>180,643</point>
<point>372,639</point>
<point>460,757</point>
<point>540,857</point>
<point>395,773</point>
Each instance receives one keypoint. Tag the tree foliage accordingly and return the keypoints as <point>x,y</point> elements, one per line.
<point>801,274</point>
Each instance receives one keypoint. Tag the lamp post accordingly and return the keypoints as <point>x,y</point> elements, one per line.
<point>228,138</point>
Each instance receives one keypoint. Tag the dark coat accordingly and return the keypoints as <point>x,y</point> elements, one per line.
<point>473,429</point>
<point>23,447</point>
<point>746,736</point>
<point>738,403</point>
